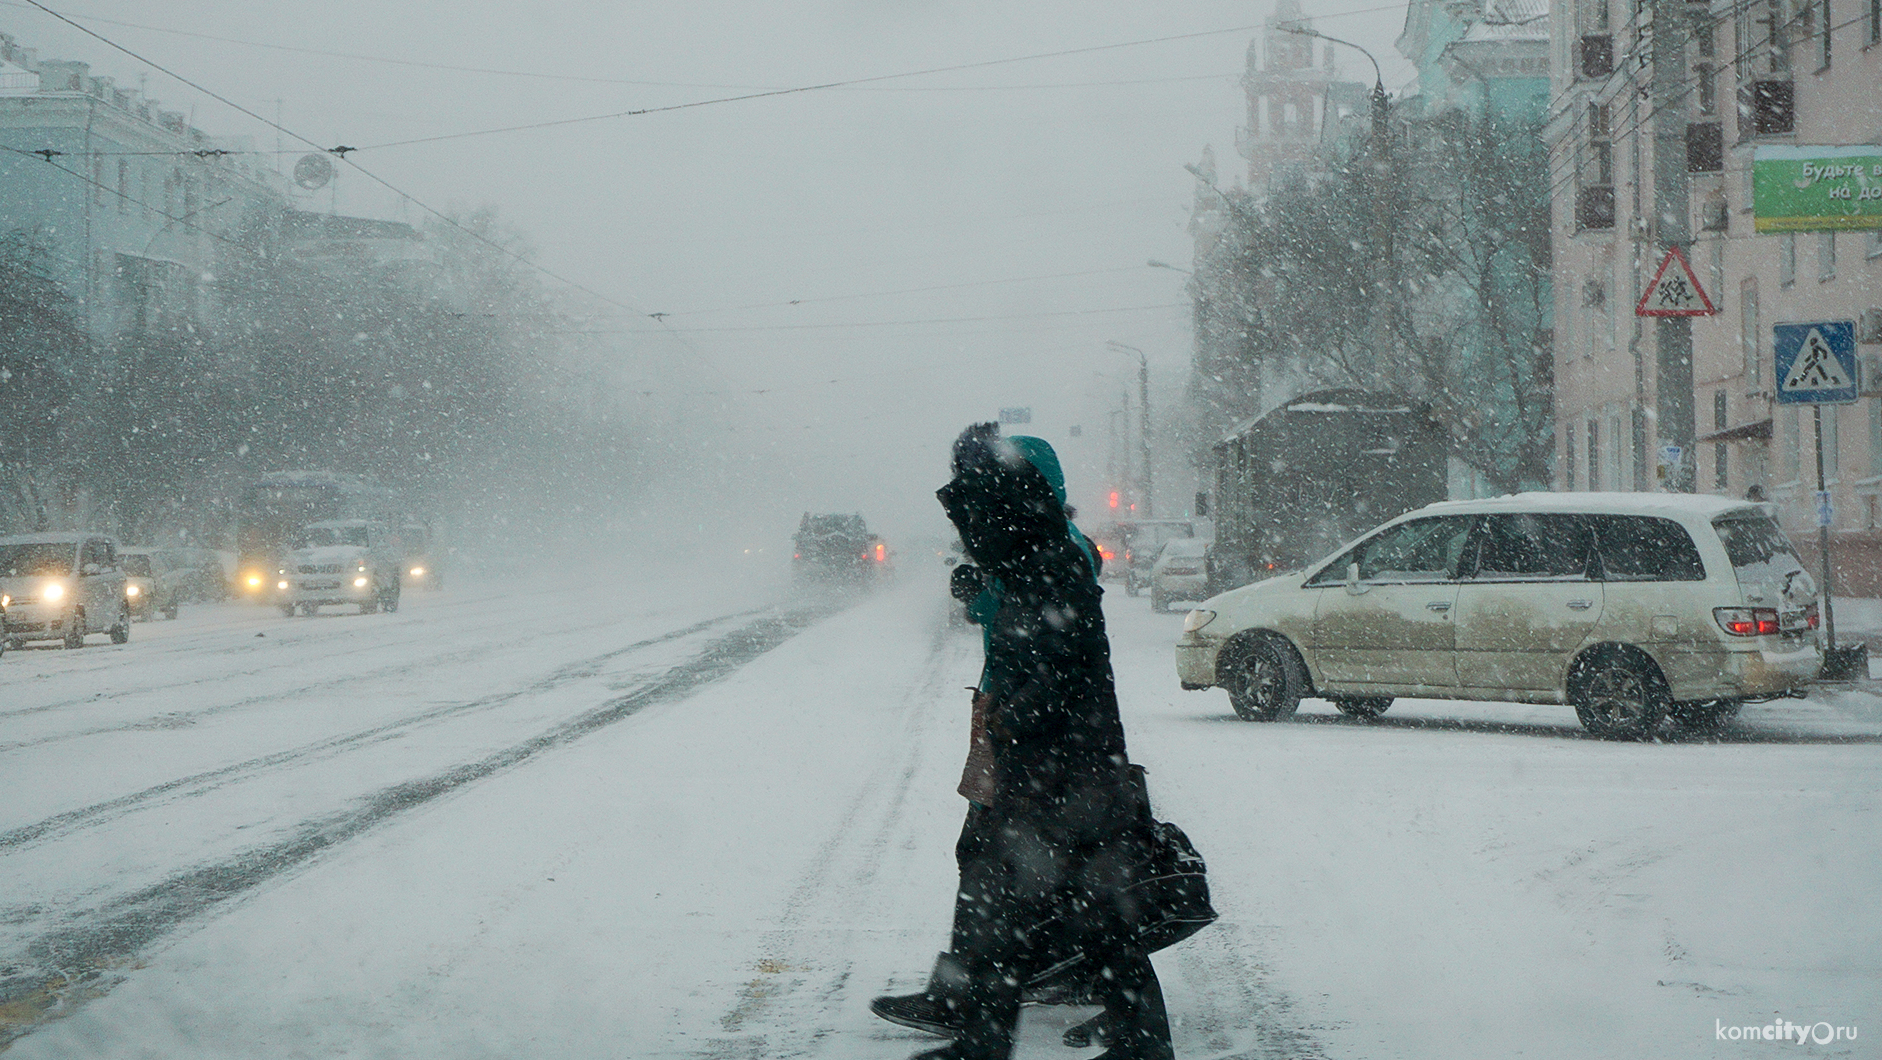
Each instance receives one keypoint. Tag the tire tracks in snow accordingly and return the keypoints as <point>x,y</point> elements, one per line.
<point>795,999</point>
<point>175,718</point>
<point>78,961</point>
<point>100,813</point>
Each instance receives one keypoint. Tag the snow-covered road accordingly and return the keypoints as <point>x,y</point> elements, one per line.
<point>631,815</point>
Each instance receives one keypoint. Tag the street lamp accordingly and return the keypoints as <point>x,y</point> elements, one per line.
<point>1143,417</point>
<point>1378,78</point>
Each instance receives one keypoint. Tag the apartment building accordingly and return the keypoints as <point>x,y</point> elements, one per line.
<point>1659,109</point>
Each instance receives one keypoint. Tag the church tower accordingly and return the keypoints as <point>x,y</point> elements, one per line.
<point>1292,104</point>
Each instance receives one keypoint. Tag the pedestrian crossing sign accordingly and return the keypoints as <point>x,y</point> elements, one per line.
<point>1816,363</point>
<point>1675,291</point>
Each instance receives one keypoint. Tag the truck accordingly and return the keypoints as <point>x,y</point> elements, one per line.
<point>1297,482</point>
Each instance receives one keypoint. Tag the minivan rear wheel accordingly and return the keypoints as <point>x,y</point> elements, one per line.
<point>1618,695</point>
<point>1264,678</point>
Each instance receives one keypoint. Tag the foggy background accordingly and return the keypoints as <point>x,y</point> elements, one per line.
<point>847,276</point>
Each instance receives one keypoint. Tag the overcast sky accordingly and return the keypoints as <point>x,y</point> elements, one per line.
<point>1030,193</point>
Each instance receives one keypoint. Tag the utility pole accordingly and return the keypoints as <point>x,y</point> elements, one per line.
<point>1672,227</point>
<point>1143,424</point>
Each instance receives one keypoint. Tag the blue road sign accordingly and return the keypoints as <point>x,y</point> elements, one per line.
<point>1816,363</point>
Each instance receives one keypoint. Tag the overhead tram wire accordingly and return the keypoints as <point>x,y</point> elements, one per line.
<point>905,323</point>
<point>905,290</point>
<point>795,90</point>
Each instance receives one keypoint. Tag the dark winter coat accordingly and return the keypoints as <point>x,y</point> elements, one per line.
<point>1054,722</point>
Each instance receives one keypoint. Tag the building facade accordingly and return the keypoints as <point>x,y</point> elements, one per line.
<point>136,206</point>
<point>1659,110</point>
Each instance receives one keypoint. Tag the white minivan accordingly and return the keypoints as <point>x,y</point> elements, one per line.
<point>1634,608</point>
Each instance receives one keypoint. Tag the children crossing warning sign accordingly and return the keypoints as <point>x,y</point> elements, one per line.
<point>1674,292</point>
<point>1816,363</point>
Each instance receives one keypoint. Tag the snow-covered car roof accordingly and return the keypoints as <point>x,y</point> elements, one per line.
<point>338,524</point>
<point>62,538</point>
<point>1680,506</point>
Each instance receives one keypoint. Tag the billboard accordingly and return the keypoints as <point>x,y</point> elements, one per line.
<point>1816,189</point>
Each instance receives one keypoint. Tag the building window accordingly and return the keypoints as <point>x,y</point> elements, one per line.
<point>1826,256</point>
<point>1708,79</point>
<point>1594,208</point>
<point>124,186</point>
<point>1703,36</point>
<point>1594,454</point>
<point>1875,237</point>
<point>1715,215</point>
<point>1875,21</point>
<point>1568,457</point>
<point>1598,14</point>
<point>1772,109</point>
<point>1828,26</point>
<point>1622,445</point>
<point>1749,340</point>
<point>1705,147</point>
<point>1787,260</point>
<point>1717,268</point>
<point>1597,56</point>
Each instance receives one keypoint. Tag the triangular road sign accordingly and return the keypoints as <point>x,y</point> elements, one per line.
<point>1816,367</point>
<point>1675,292</point>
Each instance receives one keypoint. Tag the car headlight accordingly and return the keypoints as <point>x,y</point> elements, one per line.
<point>418,572</point>
<point>5,600</point>
<point>281,584</point>
<point>359,583</point>
<point>1197,619</point>
<point>131,590</point>
<point>254,581</point>
<point>52,591</point>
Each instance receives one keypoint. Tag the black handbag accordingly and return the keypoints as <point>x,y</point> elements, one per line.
<point>1171,886</point>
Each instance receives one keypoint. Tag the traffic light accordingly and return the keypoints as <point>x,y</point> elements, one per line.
<point>1113,498</point>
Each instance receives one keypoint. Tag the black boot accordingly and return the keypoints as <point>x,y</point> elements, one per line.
<point>937,1009</point>
<point>1137,1026</point>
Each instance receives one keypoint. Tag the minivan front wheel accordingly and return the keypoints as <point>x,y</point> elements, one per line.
<point>1264,678</point>
<point>1618,695</point>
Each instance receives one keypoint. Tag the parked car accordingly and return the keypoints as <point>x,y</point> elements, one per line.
<point>63,587</point>
<point>1143,540</point>
<point>1632,608</point>
<point>152,584</point>
<point>340,561</point>
<point>1179,573</point>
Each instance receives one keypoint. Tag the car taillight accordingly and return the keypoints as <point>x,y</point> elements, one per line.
<point>1748,621</point>
<point>1810,614</point>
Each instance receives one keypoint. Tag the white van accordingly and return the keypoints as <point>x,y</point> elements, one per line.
<point>1631,607</point>
<point>63,587</point>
